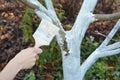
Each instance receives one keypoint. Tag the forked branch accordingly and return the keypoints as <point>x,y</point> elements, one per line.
<point>103,50</point>
<point>36,5</point>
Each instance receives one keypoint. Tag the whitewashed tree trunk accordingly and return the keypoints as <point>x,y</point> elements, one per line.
<point>70,41</point>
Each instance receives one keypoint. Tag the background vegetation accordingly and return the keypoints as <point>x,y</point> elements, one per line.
<point>49,66</point>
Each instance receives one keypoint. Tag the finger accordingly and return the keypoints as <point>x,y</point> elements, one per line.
<point>37,57</point>
<point>37,50</point>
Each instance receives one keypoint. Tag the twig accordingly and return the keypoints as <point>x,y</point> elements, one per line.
<point>31,5</point>
<point>111,34</point>
<point>97,32</point>
<point>101,17</point>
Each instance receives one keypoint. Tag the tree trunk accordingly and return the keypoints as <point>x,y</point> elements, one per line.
<point>71,63</point>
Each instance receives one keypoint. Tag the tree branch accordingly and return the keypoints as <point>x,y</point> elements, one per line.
<point>85,16</point>
<point>49,5</point>
<point>52,11</point>
<point>101,17</point>
<point>89,62</point>
<point>109,52</point>
<point>35,4</point>
<point>102,50</point>
<point>42,15</point>
<point>111,34</point>
<point>31,5</point>
<point>112,46</point>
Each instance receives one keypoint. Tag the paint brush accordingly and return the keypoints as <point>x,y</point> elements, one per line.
<point>45,33</point>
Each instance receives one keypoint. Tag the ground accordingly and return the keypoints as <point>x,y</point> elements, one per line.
<point>11,35</point>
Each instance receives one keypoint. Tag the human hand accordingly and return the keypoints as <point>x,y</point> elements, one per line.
<point>26,58</point>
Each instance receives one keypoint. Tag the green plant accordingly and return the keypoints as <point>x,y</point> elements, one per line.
<point>105,68</point>
<point>30,76</point>
<point>50,61</point>
<point>27,23</point>
<point>117,36</point>
<point>60,12</point>
<point>88,46</point>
